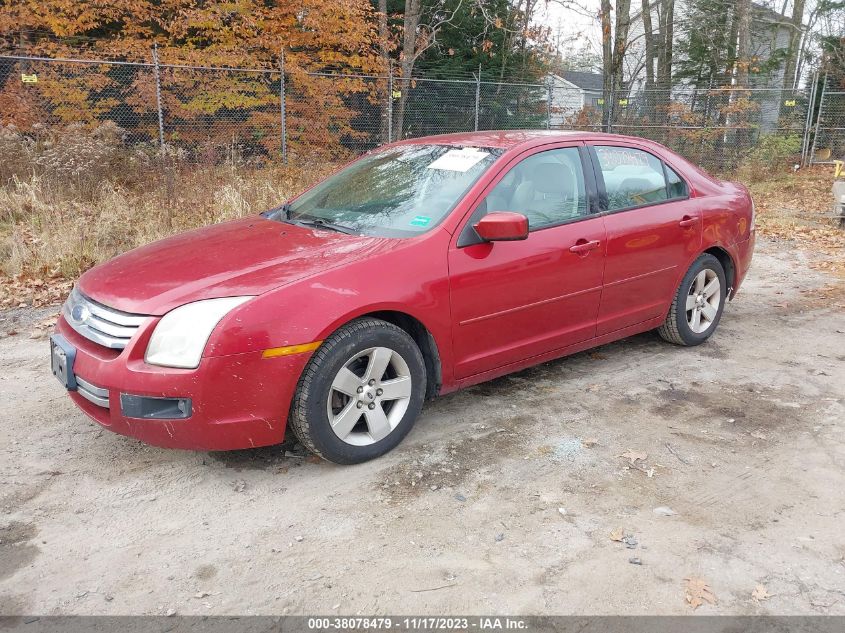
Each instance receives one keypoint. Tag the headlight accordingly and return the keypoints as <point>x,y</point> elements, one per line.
<point>181,335</point>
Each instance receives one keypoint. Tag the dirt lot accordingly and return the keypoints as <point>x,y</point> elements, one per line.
<point>503,499</point>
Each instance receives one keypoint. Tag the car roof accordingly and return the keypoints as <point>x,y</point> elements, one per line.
<point>510,139</point>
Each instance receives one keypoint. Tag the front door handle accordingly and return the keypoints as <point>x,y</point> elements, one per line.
<point>687,220</point>
<point>583,247</point>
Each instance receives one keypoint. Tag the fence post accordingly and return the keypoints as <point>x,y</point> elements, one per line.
<point>612,106</point>
<point>390,102</point>
<point>158,96</point>
<point>808,119</point>
<point>477,95</point>
<point>283,108</point>
<point>812,156</point>
<point>549,104</point>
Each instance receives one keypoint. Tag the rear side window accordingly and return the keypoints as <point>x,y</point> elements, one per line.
<point>675,184</point>
<point>632,177</point>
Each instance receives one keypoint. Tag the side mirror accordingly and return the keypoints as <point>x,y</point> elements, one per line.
<point>502,226</point>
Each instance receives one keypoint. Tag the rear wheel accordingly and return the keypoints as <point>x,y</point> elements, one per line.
<point>698,303</point>
<point>360,393</point>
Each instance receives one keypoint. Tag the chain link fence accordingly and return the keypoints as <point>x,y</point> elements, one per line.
<point>829,134</point>
<point>257,116</point>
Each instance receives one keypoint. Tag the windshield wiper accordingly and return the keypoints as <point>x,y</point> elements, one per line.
<point>323,224</point>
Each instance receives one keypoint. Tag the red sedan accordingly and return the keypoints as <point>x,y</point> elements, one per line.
<point>422,267</point>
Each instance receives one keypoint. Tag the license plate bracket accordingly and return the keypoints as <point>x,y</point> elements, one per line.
<point>62,355</point>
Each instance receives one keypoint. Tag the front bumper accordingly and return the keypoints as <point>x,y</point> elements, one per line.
<point>237,401</point>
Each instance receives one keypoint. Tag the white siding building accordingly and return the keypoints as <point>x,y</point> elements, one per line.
<point>571,92</point>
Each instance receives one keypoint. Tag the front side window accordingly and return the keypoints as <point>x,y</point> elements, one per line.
<point>548,188</point>
<point>400,192</point>
<point>632,177</point>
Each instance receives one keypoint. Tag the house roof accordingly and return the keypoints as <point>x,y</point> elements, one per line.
<point>586,81</point>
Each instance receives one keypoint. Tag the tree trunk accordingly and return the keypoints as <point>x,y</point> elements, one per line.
<point>620,43</point>
<point>730,56</point>
<point>789,78</point>
<point>648,35</point>
<point>385,58</point>
<point>664,58</point>
<point>606,62</point>
<point>613,47</point>
<point>743,63</point>
<point>406,63</point>
<point>743,42</point>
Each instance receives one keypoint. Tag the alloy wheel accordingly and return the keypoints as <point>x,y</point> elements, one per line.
<point>703,300</point>
<point>369,396</point>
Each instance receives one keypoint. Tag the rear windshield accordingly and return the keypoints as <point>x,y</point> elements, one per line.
<point>400,192</point>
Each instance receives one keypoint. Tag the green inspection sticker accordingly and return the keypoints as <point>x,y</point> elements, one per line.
<point>421,220</point>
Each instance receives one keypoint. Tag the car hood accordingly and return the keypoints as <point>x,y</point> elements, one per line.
<point>242,257</point>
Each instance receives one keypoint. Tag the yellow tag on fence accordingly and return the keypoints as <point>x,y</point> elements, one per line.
<point>789,103</point>
<point>29,79</point>
<point>397,94</point>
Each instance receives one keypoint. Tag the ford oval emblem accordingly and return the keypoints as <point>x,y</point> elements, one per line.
<point>79,313</point>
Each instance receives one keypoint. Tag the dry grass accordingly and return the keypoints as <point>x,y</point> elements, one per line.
<point>67,204</point>
<point>49,228</point>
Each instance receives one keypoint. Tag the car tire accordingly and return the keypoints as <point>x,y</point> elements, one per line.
<point>698,303</point>
<point>360,393</point>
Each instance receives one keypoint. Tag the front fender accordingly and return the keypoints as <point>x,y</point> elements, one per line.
<point>412,279</point>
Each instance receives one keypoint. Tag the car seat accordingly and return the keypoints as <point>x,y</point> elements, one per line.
<point>547,194</point>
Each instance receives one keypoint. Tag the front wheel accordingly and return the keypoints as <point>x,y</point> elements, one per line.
<point>360,393</point>
<point>698,303</point>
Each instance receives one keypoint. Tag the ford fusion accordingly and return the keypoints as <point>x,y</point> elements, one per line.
<point>423,267</point>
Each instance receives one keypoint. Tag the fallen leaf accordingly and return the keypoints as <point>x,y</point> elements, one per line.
<point>760,593</point>
<point>633,456</point>
<point>617,534</point>
<point>697,592</point>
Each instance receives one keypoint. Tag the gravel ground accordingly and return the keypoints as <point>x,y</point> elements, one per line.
<point>503,499</point>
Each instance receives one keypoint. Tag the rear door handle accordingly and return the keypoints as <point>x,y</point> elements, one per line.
<point>582,246</point>
<point>687,220</point>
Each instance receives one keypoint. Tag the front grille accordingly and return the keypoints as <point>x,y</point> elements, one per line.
<point>106,326</point>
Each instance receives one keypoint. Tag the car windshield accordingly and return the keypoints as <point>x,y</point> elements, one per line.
<point>400,192</point>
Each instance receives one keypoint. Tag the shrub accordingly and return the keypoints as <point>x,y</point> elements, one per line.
<point>772,153</point>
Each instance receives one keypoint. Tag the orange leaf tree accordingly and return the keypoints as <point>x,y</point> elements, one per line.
<point>201,107</point>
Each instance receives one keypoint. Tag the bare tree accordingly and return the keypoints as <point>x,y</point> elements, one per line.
<point>614,44</point>
<point>607,60</point>
<point>648,36</point>
<point>796,24</point>
<point>416,39</point>
<point>620,43</point>
<point>743,41</point>
<point>665,52</point>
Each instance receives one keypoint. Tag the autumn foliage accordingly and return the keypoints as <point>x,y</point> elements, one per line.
<point>201,106</point>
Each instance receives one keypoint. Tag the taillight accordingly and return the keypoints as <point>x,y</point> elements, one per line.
<point>753,217</point>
